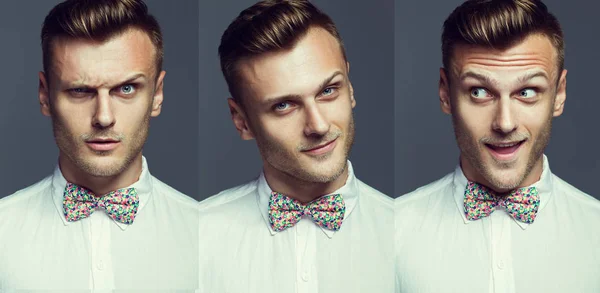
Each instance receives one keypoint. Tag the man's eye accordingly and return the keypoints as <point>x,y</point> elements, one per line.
<point>527,93</point>
<point>79,92</point>
<point>127,89</point>
<point>282,106</point>
<point>328,91</point>
<point>479,93</point>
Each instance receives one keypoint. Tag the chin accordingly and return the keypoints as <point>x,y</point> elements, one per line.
<point>330,171</point>
<point>505,179</point>
<point>316,172</point>
<point>102,166</point>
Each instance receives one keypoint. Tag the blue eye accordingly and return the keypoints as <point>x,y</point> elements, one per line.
<point>479,93</point>
<point>282,106</point>
<point>127,89</point>
<point>528,93</point>
<point>328,91</point>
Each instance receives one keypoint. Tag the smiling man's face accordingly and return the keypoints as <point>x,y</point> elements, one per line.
<point>502,104</point>
<point>298,106</point>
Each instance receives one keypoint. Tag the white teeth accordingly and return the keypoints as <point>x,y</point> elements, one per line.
<point>506,145</point>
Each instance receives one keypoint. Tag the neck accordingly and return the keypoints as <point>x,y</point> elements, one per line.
<point>532,176</point>
<point>301,190</point>
<point>100,185</point>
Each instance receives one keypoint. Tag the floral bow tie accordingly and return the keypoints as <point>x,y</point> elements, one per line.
<point>79,202</point>
<point>326,211</point>
<point>522,204</point>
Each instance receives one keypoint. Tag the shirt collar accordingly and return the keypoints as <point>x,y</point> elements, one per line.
<point>543,186</point>
<point>143,187</point>
<point>349,193</point>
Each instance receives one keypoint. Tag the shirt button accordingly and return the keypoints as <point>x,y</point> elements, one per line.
<point>305,276</point>
<point>100,265</point>
<point>501,264</point>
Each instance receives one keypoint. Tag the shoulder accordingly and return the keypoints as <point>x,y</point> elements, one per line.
<point>374,196</point>
<point>229,196</point>
<point>171,194</point>
<point>424,193</point>
<point>574,195</point>
<point>25,195</point>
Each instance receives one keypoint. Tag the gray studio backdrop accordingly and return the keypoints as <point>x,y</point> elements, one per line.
<point>367,31</point>
<point>27,149</point>
<point>425,145</point>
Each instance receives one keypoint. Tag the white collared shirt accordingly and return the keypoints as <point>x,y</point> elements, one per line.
<point>247,255</point>
<point>40,250</point>
<point>439,250</point>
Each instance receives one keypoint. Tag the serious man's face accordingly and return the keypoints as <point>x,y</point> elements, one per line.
<point>502,103</point>
<point>101,97</point>
<point>299,104</point>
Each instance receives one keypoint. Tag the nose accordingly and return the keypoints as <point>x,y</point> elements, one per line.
<point>103,116</point>
<point>316,123</point>
<point>505,119</point>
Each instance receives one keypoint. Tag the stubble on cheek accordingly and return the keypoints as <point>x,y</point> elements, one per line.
<point>73,145</point>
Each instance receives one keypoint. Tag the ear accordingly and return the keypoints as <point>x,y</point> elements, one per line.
<point>43,94</point>
<point>444,92</point>
<point>352,100</point>
<point>561,94</point>
<point>157,100</point>
<point>240,120</point>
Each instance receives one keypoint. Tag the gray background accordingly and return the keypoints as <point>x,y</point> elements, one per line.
<point>425,145</point>
<point>367,31</point>
<point>27,148</point>
<point>194,147</point>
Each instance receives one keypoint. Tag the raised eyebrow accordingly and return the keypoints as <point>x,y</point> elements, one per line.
<point>481,77</point>
<point>326,81</point>
<point>131,79</point>
<point>531,75</point>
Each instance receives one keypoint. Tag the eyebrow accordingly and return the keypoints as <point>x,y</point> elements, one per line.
<point>478,76</point>
<point>279,99</point>
<point>486,79</point>
<point>128,80</point>
<point>529,76</point>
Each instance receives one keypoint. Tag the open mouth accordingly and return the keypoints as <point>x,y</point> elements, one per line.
<point>504,150</point>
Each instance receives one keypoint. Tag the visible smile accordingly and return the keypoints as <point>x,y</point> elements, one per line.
<point>322,149</point>
<point>505,151</point>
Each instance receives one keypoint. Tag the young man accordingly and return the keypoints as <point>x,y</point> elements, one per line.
<point>101,220</point>
<point>501,222</point>
<point>307,224</point>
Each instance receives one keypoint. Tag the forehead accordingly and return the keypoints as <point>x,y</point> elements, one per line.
<point>93,61</point>
<point>295,71</point>
<point>535,52</point>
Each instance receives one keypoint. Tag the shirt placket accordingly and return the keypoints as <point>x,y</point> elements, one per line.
<point>102,267</point>
<point>502,280</point>
<point>306,277</point>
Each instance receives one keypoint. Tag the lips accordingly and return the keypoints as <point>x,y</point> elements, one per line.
<point>505,150</point>
<point>322,149</point>
<point>102,144</point>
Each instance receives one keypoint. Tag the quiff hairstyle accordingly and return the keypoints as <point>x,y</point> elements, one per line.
<point>98,20</point>
<point>499,24</point>
<point>269,26</point>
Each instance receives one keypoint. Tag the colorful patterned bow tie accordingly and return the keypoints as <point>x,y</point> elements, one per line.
<point>522,204</point>
<point>326,211</point>
<point>79,202</point>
